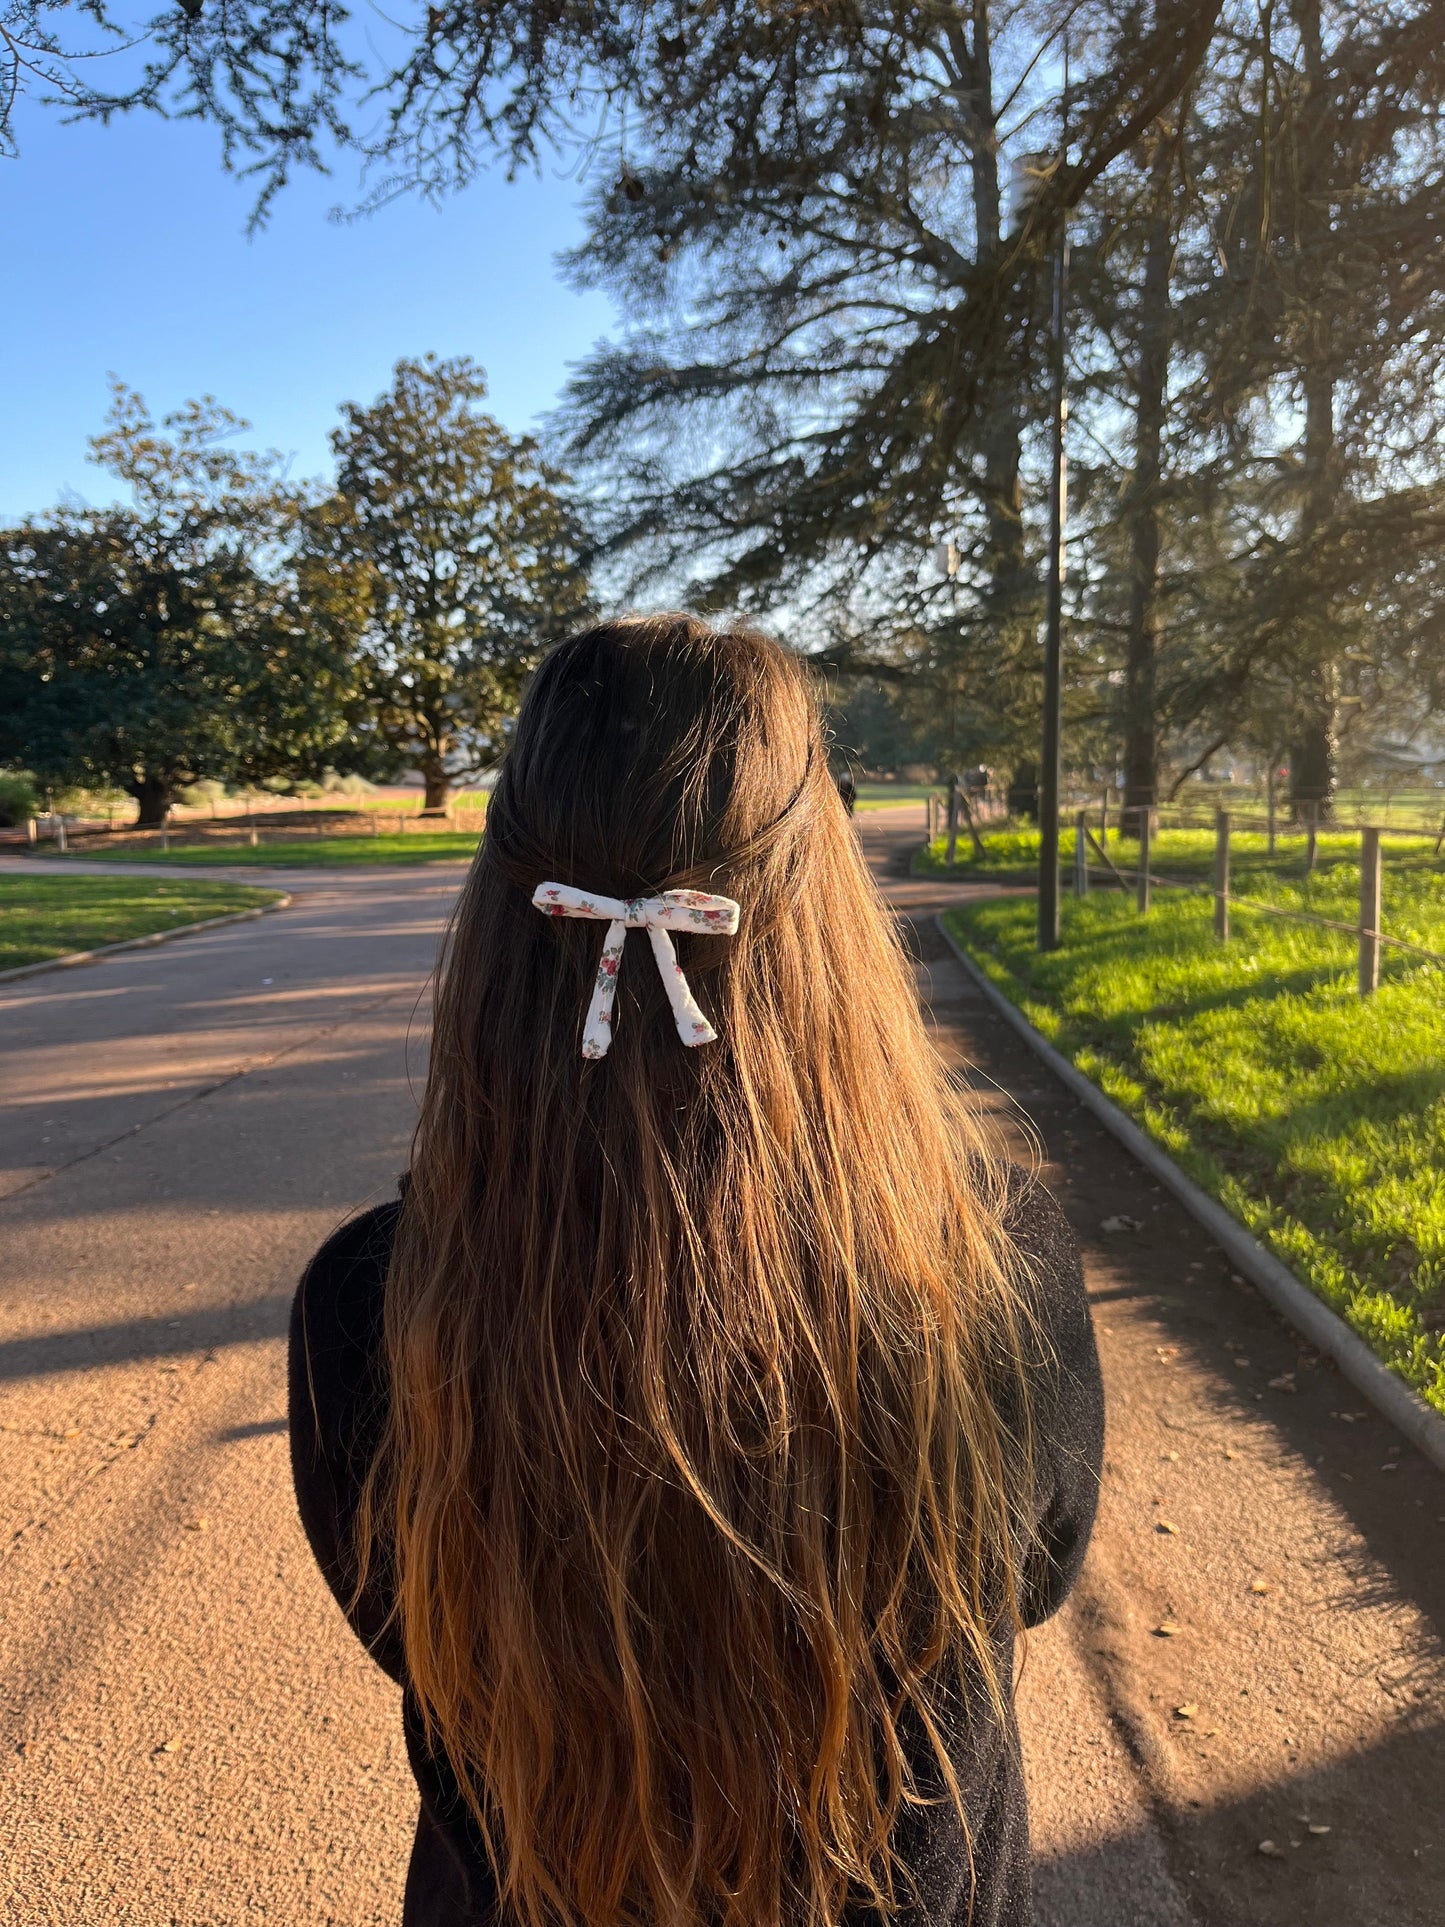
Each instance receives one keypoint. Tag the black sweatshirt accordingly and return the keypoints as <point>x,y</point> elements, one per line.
<point>337,1400</point>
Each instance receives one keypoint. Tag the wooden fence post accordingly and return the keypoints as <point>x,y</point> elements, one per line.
<point>952,850</point>
<point>1081,854</point>
<point>1221,876</point>
<point>1312,818</point>
<point>1144,840</point>
<point>60,842</point>
<point>1369,912</point>
<point>1104,820</point>
<point>1269,807</point>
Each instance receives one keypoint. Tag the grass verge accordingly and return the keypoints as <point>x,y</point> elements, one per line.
<point>298,853</point>
<point>1316,1116</point>
<point>46,917</point>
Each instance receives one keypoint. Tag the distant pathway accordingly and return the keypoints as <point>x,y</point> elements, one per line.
<point>194,1738</point>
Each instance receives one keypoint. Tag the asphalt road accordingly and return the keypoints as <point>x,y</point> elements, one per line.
<point>193,1738</point>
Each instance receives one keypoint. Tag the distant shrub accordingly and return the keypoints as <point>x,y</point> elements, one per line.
<point>202,796</point>
<point>19,798</point>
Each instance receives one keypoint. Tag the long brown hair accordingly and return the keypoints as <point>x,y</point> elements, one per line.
<point>695,1487</point>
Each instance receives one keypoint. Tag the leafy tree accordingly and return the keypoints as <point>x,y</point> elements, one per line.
<point>1319,328</point>
<point>156,646</point>
<point>449,550</point>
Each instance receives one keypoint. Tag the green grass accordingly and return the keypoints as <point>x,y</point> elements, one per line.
<point>887,796</point>
<point>303,853</point>
<point>1316,1116</point>
<point>42,917</point>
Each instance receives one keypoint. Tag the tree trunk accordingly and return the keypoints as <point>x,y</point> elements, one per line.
<point>438,786</point>
<point>1011,596</point>
<point>1312,749</point>
<point>1151,383</point>
<point>153,793</point>
<point>1312,752</point>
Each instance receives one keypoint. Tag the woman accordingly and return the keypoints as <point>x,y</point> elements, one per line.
<point>694,1435</point>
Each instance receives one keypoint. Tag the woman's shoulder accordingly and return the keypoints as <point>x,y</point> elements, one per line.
<point>1036,1226</point>
<point>1052,1272</point>
<point>337,1316</point>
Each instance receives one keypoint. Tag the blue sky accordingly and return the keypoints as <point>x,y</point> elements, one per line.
<point>125,249</point>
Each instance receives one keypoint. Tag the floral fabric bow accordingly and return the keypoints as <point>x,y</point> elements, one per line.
<point>673,910</point>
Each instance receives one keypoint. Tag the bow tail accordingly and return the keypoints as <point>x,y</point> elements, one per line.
<point>692,1026</point>
<point>597,1031</point>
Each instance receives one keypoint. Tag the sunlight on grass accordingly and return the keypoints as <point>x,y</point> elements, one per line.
<point>44,917</point>
<point>319,852</point>
<point>1317,1116</point>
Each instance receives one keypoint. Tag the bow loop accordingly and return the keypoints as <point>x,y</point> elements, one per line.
<point>692,910</point>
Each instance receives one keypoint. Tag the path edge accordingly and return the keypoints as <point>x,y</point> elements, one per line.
<point>1309,1315</point>
<point>142,943</point>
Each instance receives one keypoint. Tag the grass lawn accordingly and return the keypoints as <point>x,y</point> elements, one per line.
<point>887,796</point>
<point>1316,1116</point>
<point>48,916</point>
<point>304,853</point>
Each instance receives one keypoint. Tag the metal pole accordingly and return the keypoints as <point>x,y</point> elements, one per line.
<point>952,850</point>
<point>1050,770</point>
<point>1312,811</point>
<point>1369,912</point>
<point>1081,854</point>
<point>1221,876</point>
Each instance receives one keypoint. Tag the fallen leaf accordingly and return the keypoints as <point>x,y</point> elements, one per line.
<point>1259,1585</point>
<point>202,1524</point>
<point>1166,1352</point>
<point>1284,1383</point>
<point>166,1746</point>
<point>1270,1850</point>
<point>1122,1223</point>
<point>1317,1831</point>
<point>1186,1712</point>
<point>1240,1359</point>
<point>1173,1457</point>
<point>71,1432</point>
<point>1163,1525</point>
<point>1166,1629</point>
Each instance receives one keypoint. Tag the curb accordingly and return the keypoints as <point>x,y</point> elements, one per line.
<point>141,943</point>
<point>1309,1315</point>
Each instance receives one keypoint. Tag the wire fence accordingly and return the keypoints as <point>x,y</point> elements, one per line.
<point>1370,938</point>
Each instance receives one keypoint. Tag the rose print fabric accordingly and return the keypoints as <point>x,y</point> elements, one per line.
<point>673,910</point>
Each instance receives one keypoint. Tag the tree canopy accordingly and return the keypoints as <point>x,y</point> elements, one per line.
<point>448,550</point>
<point>154,646</point>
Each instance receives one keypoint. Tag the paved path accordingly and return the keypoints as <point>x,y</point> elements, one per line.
<point>192,1736</point>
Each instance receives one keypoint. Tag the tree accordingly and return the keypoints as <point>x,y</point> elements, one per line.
<point>1320,323</point>
<point>157,646</point>
<point>450,546</point>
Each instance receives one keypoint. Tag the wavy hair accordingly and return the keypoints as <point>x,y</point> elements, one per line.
<point>698,1488</point>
